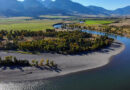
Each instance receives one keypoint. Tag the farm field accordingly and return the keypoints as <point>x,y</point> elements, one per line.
<point>97,22</point>
<point>24,23</point>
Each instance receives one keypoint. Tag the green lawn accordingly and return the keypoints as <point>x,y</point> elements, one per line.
<point>96,22</point>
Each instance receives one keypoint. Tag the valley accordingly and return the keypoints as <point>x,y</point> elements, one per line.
<point>64,44</point>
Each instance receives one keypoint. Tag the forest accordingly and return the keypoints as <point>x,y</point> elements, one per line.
<point>51,41</point>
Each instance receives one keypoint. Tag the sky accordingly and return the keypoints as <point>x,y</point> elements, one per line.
<point>108,4</point>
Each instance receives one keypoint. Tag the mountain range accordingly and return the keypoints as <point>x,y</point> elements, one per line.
<point>63,7</point>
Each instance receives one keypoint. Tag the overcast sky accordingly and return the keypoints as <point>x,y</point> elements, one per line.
<point>108,4</point>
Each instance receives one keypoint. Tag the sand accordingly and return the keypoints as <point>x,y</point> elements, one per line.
<point>66,64</point>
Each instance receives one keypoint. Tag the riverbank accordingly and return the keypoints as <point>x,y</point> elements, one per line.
<point>67,64</point>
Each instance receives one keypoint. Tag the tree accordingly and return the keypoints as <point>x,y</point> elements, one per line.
<point>8,58</point>
<point>36,63</point>
<point>41,62</point>
<point>47,62</point>
<point>33,62</point>
<point>1,37</point>
<point>0,60</point>
<point>9,36</point>
<point>15,60</point>
<point>52,63</point>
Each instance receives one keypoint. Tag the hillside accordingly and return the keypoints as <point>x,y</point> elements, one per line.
<point>63,7</point>
<point>123,11</point>
<point>12,8</point>
<point>33,7</point>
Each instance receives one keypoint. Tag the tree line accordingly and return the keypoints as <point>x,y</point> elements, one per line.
<point>13,61</point>
<point>103,28</point>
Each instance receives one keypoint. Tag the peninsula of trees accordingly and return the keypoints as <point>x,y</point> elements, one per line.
<point>51,41</point>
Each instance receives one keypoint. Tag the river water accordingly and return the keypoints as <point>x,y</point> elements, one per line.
<point>114,76</point>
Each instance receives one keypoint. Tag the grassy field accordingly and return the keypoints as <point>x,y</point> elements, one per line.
<point>54,17</point>
<point>26,23</point>
<point>97,22</point>
<point>9,20</point>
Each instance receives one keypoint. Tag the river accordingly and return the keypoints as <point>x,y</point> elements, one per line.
<point>114,76</point>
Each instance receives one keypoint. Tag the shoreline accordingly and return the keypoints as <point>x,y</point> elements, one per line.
<point>67,63</point>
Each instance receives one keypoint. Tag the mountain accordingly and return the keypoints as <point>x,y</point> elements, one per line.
<point>122,11</point>
<point>99,10</point>
<point>63,7</point>
<point>10,7</point>
<point>69,7</point>
<point>34,7</point>
<point>73,8</point>
<point>46,3</point>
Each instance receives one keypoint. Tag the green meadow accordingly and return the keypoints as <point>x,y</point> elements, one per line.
<point>97,22</point>
<point>24,23</point>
